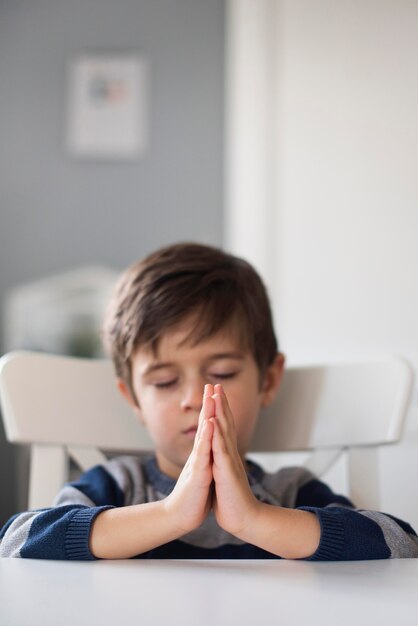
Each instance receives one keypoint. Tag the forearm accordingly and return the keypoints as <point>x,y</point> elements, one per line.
<point>289,533</point>
<point>124,532</point>
<point>60,532</point>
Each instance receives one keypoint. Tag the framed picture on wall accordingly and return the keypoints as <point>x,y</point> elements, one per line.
<point>108,106</point>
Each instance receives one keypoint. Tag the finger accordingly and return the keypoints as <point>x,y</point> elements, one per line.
<point>218,388</point>
<point>220,444</point>
<point>222,459</point>
<point>219,391</point>
<point>225,462</point>
<point>204,444</point>
<point>207,407</point>
<point>207,410</point>
<point>218,441</point>
<point>208,390</point>
<point>227,408</point>
<point>226,422</point>
<point>222,426</point>
<point>226,428</point>
<point>202,456</point>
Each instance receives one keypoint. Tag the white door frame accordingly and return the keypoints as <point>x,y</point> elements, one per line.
<point>250,134</point>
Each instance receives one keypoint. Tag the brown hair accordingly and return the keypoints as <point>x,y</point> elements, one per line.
<point>188,279</point>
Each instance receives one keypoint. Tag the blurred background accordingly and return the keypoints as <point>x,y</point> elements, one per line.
<point>284,130</point>
<point>60,213</point>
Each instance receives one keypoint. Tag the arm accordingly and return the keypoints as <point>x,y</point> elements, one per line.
<point>89,519</point>
<point>287,533</point>
<point>124,532</point>
<point>322,527</point>
<point>60,532</point>
<point>131,530</point>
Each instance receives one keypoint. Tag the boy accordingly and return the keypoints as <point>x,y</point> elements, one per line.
<point>190,333</point>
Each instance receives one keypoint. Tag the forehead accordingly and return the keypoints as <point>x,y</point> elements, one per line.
<point>178,343</point>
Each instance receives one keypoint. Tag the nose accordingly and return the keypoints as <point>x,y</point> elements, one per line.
<point>192,395</point>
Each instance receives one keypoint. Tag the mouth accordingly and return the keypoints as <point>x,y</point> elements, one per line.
<point>190,433</point>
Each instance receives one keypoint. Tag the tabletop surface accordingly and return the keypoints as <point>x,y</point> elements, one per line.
<point>152,592</point>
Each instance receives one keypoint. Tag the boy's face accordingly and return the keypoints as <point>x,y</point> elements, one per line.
<point>169,389</point>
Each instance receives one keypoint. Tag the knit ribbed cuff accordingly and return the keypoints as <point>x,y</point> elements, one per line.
<point>78,533</point>
<point>331,543</point>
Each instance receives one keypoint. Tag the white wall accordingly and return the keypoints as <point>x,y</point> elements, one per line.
<point>347,195</point>
<point>344,83</point>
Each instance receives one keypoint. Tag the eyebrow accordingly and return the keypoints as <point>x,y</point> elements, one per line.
<point>238,356</point>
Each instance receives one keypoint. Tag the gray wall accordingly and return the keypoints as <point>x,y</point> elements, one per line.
<point>57,213</point>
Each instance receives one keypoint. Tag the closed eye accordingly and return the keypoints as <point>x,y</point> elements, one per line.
<point>164,385</point>
<point>224,376</point>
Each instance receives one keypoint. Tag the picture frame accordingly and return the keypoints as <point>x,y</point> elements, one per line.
<point>108,106</point>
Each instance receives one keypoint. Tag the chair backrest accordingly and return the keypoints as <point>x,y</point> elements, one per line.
<point>70,407</point>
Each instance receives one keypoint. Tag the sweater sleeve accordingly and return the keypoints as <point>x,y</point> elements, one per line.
<point>63,531</point>
<point>350,534</point>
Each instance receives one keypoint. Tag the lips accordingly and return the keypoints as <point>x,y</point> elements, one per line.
<point>190,432</point>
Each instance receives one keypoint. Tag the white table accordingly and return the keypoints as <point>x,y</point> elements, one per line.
<point>203,593</point>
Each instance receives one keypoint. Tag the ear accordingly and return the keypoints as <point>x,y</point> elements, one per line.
<point>272,380</point>
<point>126,393</point>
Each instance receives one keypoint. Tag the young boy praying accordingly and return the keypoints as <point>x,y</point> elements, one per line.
<point>190,333</point>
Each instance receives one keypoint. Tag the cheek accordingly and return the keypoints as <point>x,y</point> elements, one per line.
<point>153,401</point>
<point>159,413</point>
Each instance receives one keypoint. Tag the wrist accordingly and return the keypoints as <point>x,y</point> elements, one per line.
<point>124,532</point>
<point>288,533</point>
<point>249,531</point>
<point>175,517</point>
<point>247,523</point>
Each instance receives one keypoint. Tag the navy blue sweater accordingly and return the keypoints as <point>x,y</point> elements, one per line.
<point>63,531</point>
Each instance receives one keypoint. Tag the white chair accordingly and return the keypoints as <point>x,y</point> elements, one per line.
<point>66,407</point>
